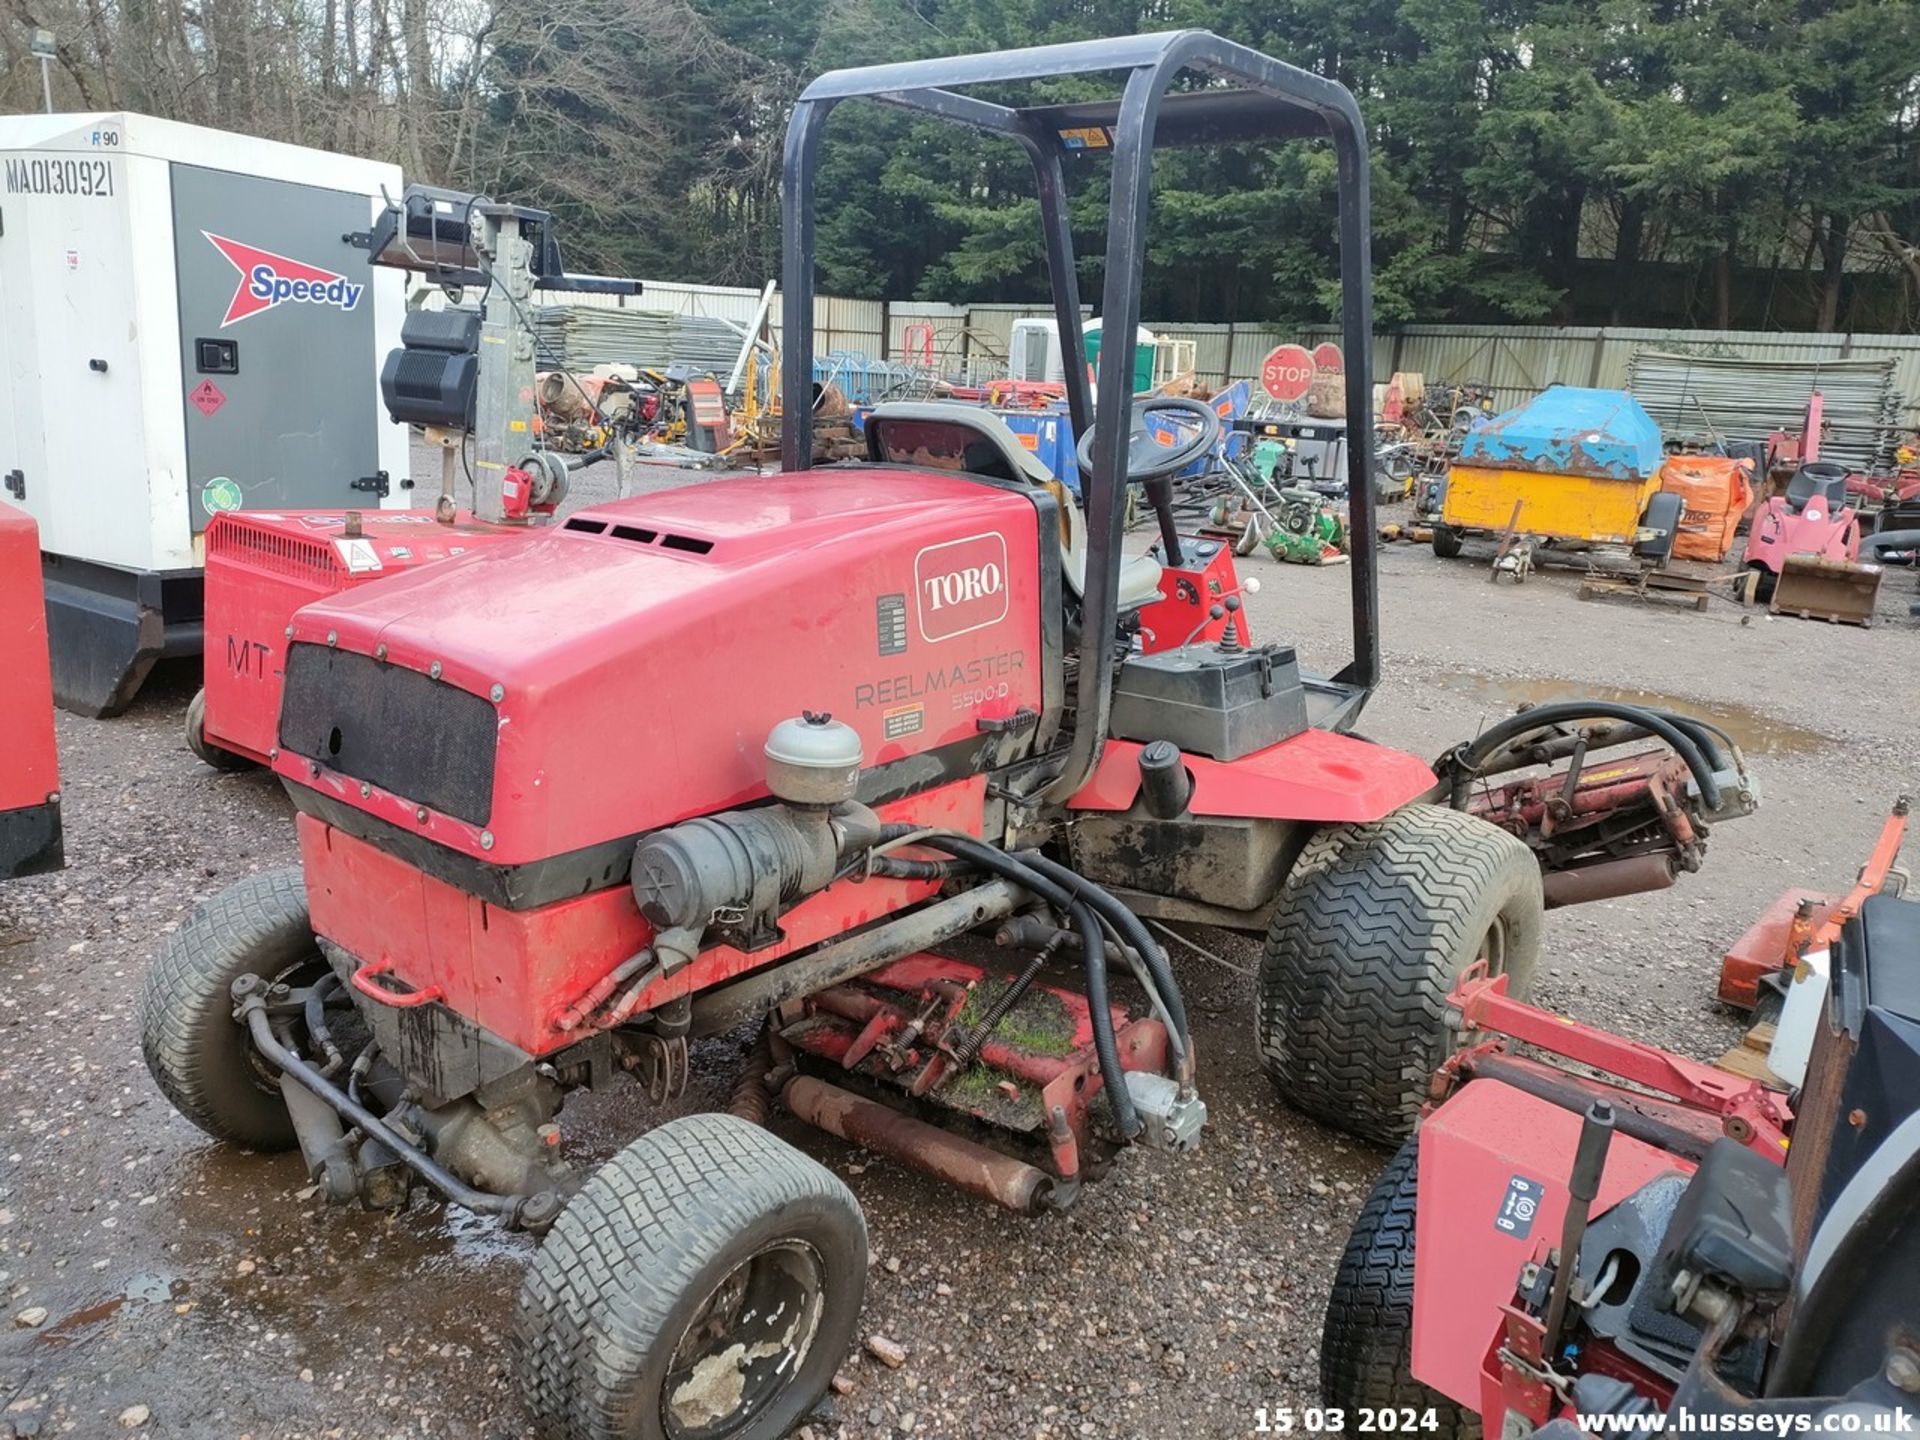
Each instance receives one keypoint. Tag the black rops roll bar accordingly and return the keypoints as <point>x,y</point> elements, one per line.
<point>1272,101</point>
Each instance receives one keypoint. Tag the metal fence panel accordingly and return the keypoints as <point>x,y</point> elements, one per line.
<point>1739,397</point>
<point>1516,361</point>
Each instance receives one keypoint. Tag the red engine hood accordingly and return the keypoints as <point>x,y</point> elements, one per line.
<point>643,650</point>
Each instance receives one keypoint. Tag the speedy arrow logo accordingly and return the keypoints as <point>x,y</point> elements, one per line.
<point>267,280</point>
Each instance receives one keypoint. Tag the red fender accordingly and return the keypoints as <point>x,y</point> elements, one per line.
<point>1317,775</point>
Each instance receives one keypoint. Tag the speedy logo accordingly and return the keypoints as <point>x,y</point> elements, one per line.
<point>267,280</point>
<point>961,586</point>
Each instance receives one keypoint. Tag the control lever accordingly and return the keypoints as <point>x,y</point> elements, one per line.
<point>1589,1159</point>
<point>1226,605</point>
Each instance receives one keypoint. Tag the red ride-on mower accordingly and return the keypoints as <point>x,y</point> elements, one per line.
<point>747,752</point>
<point>1811,521</point>
<point>1592,1229</point>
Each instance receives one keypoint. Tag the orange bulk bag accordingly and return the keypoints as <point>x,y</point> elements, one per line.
<point>1715,493</point>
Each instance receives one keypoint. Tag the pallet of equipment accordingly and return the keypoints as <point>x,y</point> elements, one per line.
<point>1672,587</point>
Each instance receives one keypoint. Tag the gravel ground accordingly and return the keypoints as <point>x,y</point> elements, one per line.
<point>189,1290</point>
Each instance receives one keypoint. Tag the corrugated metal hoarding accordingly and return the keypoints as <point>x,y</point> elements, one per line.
<point>1515,362</point>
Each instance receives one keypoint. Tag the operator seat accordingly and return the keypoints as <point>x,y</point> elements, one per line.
<point>1824,478</point>
<point>943,432</point>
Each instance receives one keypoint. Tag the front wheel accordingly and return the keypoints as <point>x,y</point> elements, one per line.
<point>1366,1343</point>
<point>1374,926</point>
<point>705,1282</point>
<point>205,749</point>
<point>197,1052</point>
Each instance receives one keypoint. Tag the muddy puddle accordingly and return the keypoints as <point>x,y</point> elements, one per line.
<point>145,1288</point>
<point>1753,732</point>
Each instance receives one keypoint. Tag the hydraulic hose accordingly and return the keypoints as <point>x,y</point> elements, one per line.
<point>1126,925</point>
<point>316,1017</point>
<point>892,867</point>
<point>531,1211</point>
<point>1133,931</point>
<point>1105,1045</point>
<point>1466,757</point>
<point>1093,949</point>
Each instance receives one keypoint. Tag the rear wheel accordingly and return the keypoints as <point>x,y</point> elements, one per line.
<point>1373,927</point>
<point>1446,542</point>
<point>199,1055</point>
<point>704,1283</point>
<point>1366,1344</point>
<point>197,741</point>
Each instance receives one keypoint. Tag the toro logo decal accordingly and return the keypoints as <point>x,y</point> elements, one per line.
<point>267,280</point>
<point>961,586</point>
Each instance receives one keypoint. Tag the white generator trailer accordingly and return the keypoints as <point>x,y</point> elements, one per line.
<point>188,324</point>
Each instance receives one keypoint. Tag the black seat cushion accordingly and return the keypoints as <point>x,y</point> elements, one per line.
<point>1889,929</point>
<point>1733,1225</point>
<point>1821,477</point>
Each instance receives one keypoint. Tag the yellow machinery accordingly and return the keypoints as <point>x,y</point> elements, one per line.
<point>1571,468</point>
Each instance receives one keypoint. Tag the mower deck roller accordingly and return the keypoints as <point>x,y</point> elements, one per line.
<point>753,751</point>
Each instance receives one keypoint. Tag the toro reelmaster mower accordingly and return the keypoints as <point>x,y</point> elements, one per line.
<point>1593,1234</point>
<point>746,752</point>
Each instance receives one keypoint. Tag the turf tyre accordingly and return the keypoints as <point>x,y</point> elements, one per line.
<point>639,1249</point>
<point>198,1054</point>
<point>207,752</point>
<point>1372,928</point>
<point>1366,1343</point>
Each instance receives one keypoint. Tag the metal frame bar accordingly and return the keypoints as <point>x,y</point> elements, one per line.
<point>1280,101</point>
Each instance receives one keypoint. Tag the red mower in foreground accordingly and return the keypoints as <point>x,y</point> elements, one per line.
<point>1590,1233</point>
<point>31,835</point>
<point>746,753</point>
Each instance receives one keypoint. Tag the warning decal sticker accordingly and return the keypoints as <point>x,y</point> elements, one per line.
<point>1519,1206</point>
<point>207,397</point>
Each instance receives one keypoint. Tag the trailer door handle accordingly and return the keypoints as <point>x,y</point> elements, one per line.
<point>17,484</point>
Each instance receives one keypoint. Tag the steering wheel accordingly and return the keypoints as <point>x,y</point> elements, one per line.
<point>1152,462</point>
<point>1148,456</point>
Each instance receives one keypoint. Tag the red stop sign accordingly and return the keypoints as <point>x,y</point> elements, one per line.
<point>1287,372</point>
<point>1328,359</point>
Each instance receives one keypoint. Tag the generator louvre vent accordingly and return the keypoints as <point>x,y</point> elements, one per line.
<point>692,544</point>
<point>586,527</point>
<point>635,534</point>
<point>271,550</point>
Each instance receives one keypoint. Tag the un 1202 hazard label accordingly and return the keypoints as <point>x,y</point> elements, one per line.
<point>1520,1205</point>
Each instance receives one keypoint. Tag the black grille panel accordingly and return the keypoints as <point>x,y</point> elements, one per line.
<point>396,728</point>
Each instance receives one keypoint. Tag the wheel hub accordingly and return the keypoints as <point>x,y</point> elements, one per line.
<point>745,1344</point>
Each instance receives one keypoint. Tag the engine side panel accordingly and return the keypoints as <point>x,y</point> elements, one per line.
<point>515,972</point>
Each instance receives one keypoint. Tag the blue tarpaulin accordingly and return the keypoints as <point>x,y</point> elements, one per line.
<point>1569,430</point>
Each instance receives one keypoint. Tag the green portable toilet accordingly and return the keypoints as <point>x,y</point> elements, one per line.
<point>1142,355</point>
